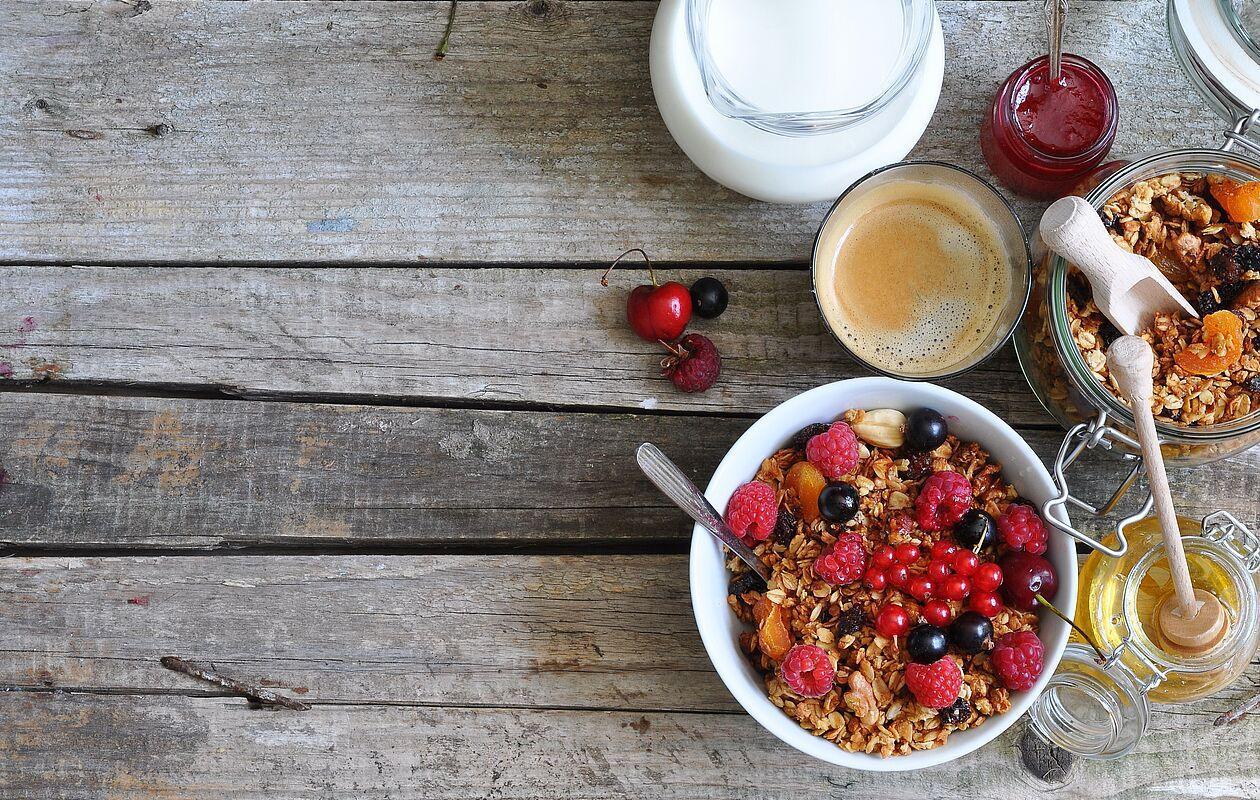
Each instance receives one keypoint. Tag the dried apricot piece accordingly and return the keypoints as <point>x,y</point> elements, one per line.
<point>1220,349</point>
<point>773,635</point>
<point>1241,201</point>
<point>806,482</point>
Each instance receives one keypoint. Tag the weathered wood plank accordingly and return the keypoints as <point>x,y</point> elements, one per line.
<point>128,472</point>
<point>552,336</point>
<point>127,748</point>
<point>325,131</point>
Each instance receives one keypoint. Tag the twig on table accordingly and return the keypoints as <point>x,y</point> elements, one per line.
<point>255,694</point>
<point>446,37</point>
<point>1239,711</point>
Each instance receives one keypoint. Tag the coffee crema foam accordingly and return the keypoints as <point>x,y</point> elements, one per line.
<point>912,276</point>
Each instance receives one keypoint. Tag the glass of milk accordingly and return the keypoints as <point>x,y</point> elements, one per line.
<point>802,67</point>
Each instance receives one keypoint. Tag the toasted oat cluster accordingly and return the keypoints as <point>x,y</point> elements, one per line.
<point>1208,369</point>
<point>813,601</point>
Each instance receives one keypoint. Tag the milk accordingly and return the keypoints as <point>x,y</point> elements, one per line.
<point>806,55</point>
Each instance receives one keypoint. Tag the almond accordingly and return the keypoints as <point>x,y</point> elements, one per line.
<point>883,427</point>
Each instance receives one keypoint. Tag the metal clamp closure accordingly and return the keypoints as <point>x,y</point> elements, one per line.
<point>1224,528</point>
<point>1087,436</point>
<point>1237,137</point>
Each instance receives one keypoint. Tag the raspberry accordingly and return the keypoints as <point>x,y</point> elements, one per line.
<point>935,685</point>
<point>1022,529</point>
<point>942,501</point>
<point>842,563</point>
<point>802,437</point>
<point>808,671</point>
<point>834,452</point>
<point>753,511</point>
<point>693,364</point>
<point>1017,659</point>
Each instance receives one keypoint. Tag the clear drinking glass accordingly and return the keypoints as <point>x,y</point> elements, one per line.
<point>807,66</point>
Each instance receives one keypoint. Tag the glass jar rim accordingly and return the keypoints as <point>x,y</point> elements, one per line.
<point>919,24</point>
<point>1098,395</point>
<point>1096,150</point>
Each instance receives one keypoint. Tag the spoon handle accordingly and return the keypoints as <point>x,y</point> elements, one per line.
<point>678,487</point>
<point>1056,16</point>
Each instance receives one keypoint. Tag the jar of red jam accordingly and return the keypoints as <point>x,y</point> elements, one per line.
<point>1041,137</point>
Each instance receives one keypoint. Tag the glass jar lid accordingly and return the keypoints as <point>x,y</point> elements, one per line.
<point>1218,45</point>
<point>1096,709</point>
<point>808,66</point>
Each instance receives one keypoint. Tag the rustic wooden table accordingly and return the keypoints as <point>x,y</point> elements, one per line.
<point>310,375</point>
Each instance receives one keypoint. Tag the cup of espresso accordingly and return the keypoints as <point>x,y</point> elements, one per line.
<point>921,270</point>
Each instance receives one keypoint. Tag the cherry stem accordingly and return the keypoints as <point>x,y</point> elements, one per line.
<point>1043,601</point>
<point>604,280</point>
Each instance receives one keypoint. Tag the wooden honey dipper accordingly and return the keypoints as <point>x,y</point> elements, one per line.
<point>1189,620</point>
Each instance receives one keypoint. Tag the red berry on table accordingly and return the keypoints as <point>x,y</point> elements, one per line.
<point>935,685</point>
<point>965,562</point>
<point>753,511</point>
<point>920,587</point>
<point>987,578</point>
<point>1024,576</point>
<point>1022,529</point>
<point>884,557</point>
<point>907,553</point>
<point>942,501</point>
<point>1018,659</point>
<point>876,579</point>
<point>939,570</point>
<point>834,452</point>
<point>808,671</point>
<point>693,363</point>
<point>938,612</point>
<point>898,575</point>
<point>843,562</point>
<point>956,587</point>
<point>655,312</point>
<point>986,603</point>
<point>892,620</point>
<point>943,549</point>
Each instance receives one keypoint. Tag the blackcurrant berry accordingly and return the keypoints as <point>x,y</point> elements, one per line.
<point>971,633</point>
<point>838,502</point>
<point>709,297</point>
<point>926,644</point>
<point>976,530</point>
<point>926,429</point>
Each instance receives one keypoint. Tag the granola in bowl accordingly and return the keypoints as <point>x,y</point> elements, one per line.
<point>1201,231</point>
<point>887,624</point>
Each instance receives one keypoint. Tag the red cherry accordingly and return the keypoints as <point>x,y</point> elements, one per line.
<point>965,562</point>
<point>986,603</point>
<point>883,557</point>
<point>938,613</point>
<point>655,312</point>
<point>988,577</point>
<point>907,553</point>
<point>898,575</point>
<point>939,570</point>
<point>892,620</point>
<point>920,587</point>
<point>876,579</point>
<point>943,549</point>
<point>956,588</point>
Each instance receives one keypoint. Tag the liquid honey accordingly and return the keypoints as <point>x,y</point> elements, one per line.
<point>1108,611</point>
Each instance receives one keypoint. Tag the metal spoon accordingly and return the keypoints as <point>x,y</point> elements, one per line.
<point>678,487</point>
<point>1056,16</point>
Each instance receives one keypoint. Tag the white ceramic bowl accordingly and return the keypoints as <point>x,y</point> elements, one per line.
<point>719,629</point>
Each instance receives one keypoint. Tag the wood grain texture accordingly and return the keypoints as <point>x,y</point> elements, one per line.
<point>325,131</point>
<point>401,707</point>
<point>121,473</point>
<point>531,336</point>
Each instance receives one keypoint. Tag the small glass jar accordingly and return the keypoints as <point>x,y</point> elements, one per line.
<point>1100,707</point>
<point>1033,164</point>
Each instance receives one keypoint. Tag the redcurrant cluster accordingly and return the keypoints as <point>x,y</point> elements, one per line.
<point>951,574</point>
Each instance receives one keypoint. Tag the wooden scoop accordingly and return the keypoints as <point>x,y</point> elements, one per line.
<point>1128,288</point>
<point>1191,620</point>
